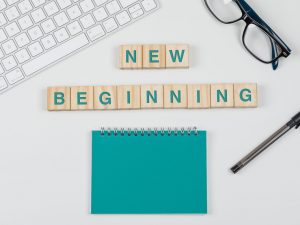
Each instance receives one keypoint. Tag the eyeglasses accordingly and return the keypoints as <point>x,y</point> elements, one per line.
<point>258,38</point>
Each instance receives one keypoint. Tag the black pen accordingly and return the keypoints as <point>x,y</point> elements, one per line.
<point>294,122</point>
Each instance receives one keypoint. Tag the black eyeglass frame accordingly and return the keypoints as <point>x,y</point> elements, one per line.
<point>251,17</point>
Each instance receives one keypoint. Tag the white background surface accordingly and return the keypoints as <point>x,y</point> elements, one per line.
<point>45,157</point>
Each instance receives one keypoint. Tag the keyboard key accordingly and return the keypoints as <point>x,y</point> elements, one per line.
<point>38,15</point>
<point>2,36</point>
<point>37,3</point>
<point>11,2</point>
<point>25,22</point>
<point>12,29</point>
<point>22,40</point>
<point>2,20</point>
<point>12,13</point>
<point>126,3</point>
<point>135,8</point>
<point>35,49</point>
<point>100,14</point>
<point>148,5</point>
<point>86,5</point>
<point>9,47</point>
<point>48,26</point>
<point>51,8</point>
<point>64,3</point>
<point>1,54</point>
<point>35,33</point>
<point>95,32</point>
<point>74,12</point>
<point>3,84</point>
<point>100,2</point>
<point>14,76</point>
<point>55,54</point>
<point>1,71</point>
<point>9,63</point>
<point>48,42</point>
<point>25,6</point>
<point>110,25</point>
<point>137,13</point>
<point>113,7</point>
<point>2,5</point>
<point>22,56</point>
<point>74,28</point>
<point>123,18</point>
<point>87,21</point>
<point>61,19</point>
<point>61,35</point>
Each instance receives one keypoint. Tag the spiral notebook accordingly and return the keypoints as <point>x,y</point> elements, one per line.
<point>149,172</point>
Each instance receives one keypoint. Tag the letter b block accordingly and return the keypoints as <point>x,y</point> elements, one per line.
<point>245,95</point>
<point>131,57</point>
<point>59,98</point>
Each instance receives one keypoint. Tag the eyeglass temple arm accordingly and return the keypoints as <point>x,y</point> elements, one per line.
<point>274,55</point>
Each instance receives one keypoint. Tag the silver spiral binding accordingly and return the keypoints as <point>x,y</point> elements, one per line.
<point>143,132</point>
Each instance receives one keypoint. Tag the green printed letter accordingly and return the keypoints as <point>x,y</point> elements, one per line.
<point>177,97</point>
<point>177,55</point>
<point>80,97</point>
<point>221,95</point>
<point>105,101</point>
<point>247,97</point>
<point>129,55</point>
<point>128,97</point>
<point>59,98</point>
<point>153,57</point>
<point>153,97</point>
<point>198,96</point>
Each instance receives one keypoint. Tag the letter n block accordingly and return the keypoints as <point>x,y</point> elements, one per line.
<point>245,95</point>
<point>82,98</point>
<point>177,56</point>
<point>131,57</point>
<point>152,96</point>
<point>175,96</point>
<point>222,96</point>
<point>154,56</point>
<point>59,98</point>
<point>105,97</point>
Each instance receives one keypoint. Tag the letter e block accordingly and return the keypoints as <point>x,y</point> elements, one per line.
<point>59,98</point>
<point>222,96</point>
<point>105,97</point>
<point>82,98</point>
<point>152,96</point>
<point>131,57</point>
<point>175,96</point>
<point>154,56</point>
<point>245,95</point>
<point>199,96</point>
<point>129,97</point>
<point>177,56</point>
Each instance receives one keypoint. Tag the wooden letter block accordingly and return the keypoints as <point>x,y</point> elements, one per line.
<point>245,95</point>
<point>59,98</point>
<point>154,56</point>
<point>177,56</point>
<point>199,96</point>
<point>129,97</point>
<point>152,96</point>
<point>105,97</point>
<point>82,98</point>
<point>131,57</point>
<point>175,96</point>
<point>222,96</point>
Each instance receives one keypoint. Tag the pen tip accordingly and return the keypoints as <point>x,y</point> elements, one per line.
<point>236,168</point>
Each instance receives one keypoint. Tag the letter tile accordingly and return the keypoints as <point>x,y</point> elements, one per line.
<point>175,96</point>
<point>154,56</point>
<point>105,97</point>
<point>177,56</point>
<point>131,57</point>
<point>82,98</point>
<point>222,96</point>
<point>152,96</point>
<point>59,98</point>
<point>129,97</point>
<point>245,95</point>
<point>199,96</point>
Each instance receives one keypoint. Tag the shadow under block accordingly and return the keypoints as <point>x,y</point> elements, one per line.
<point>175,96</point>
<point>105,97</point>
<point>82,98</point>
<point>131,57</point>
<point>59,98</point>
<point>177,56</point>
<point>152,96</point>
<point>222,96</point>
<point>199,96</point>
<point>154,56</point>
<point>129,97</point>
<point>245,95</point>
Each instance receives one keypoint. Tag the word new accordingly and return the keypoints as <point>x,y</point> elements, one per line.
<point>194,96</point>
<point>154,56</point>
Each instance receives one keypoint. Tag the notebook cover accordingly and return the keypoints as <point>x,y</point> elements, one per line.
<point>155,174</point>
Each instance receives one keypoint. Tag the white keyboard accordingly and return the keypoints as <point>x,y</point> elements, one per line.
<point>35,34</point>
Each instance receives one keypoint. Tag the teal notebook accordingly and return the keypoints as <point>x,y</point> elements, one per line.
<point>149,172</point>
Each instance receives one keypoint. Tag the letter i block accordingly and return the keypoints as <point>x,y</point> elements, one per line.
<point>82,98</point>
<point>105,97</point>
<point>152,96</point>
<point>222,96</point>
<point>245,95</point>
<point>129,97</point>
<point>59,98</point>
<point>175,96</point>
<point>177,56</point>
<point>199,96</point>
<point>131,57</point>
<point>154,56</point>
